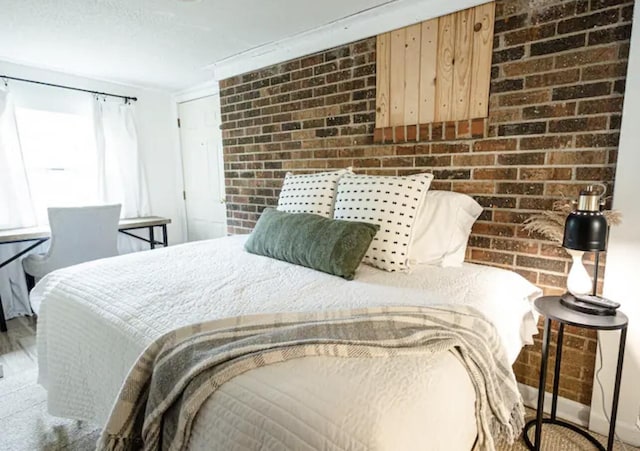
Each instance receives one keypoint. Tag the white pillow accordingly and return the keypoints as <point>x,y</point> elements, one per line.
<point>391,202</point>
<point>310,193</point>
<point>443,227</point>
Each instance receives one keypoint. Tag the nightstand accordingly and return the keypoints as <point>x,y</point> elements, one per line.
<point>551,308</point>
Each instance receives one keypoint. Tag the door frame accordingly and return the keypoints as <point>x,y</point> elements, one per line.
<point>206,89</point>
<point>211,90</point>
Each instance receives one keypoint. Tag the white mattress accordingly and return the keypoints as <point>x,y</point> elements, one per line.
<point>96,318</point>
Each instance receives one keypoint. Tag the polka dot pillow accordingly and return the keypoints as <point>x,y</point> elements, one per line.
<point>310,193</point>
<point>392,203</point>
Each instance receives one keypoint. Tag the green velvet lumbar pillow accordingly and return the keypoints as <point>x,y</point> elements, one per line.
<point>329,245</point>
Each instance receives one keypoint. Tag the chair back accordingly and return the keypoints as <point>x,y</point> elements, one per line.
<point>81,234</point>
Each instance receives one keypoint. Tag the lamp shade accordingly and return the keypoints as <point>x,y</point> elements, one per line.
<point>585,231</point>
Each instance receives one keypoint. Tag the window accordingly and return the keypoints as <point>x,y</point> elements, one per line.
<point>60,158</point>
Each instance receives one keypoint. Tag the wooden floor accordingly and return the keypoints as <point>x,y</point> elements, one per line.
<point>18,347</point>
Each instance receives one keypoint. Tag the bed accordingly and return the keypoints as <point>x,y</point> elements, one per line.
<point>96,318</point>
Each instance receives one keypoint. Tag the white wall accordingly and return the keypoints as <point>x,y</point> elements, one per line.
<point>623,265</point>
<point>157,132</point>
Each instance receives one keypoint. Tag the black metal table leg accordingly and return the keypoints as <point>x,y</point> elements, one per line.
<point>616,389</point>
<point>543,381</point>
<point>556,373</point>
<point>553,309</point>
<point>165,240</point>
<point>152,240</point>
<point>3,321</point>
<point>38,242</point>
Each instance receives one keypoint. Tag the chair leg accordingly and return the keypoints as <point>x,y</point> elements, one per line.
<point>31,282</point>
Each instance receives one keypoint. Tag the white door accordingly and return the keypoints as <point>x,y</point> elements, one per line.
<point>202,167</point>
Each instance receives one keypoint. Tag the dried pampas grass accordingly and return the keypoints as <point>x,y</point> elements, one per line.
<point>550,224</point>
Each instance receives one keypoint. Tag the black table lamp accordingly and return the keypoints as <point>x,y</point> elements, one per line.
<point>585,230</point>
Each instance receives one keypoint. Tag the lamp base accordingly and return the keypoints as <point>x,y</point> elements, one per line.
<point>573,303</point>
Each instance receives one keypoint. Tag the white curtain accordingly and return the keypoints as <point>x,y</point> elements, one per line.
<point>16,208</point>
<point>121,177</point>
<point>121,180</point>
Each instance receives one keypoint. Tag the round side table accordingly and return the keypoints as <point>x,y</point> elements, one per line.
<point>551,308</point>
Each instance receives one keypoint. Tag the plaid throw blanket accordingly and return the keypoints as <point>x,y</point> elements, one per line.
<point>176,374</point>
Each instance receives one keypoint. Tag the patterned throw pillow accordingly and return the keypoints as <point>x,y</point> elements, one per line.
<point>310,193</point>
<point>391,202</point>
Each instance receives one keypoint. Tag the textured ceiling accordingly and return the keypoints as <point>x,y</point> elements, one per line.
<point>159,43</point>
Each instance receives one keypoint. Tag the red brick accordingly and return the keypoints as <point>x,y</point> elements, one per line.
<point>450,148</point>
<point>604,71</point>
<point>437,131</point>
<point>597,140</point>
<point>595,174</point>
<point>407,150</point>
<point>425,132</point>
<point>599,106</point>
<point>478,128</point>
<point>541,263</point>
<point>529,66</point>
<point>398,133</point>
<point>522,159</point>
<point>474,160</point>
<point>529,189</point>
<point>506,115</point>
<point>546,142</point>
<point>525,98</point>
<point>578,124</point>
<point>388,134</point>
<point>398,162</point>
<point>563,189</point>
<point>449,130</point>
<point>525,35</point>
<point>588,56</point>
<point>552,110</point>
<point>474,187</point>
<point>511,245</point>
<point>546,173</point>
<point>433,160</point>
<point>411,133</point>
<point>464,129</point>
<point>500,258</point>
<point>496,174</point>
<point>495,145</point>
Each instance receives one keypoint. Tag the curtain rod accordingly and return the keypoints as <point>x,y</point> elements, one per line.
<point>127,98</point>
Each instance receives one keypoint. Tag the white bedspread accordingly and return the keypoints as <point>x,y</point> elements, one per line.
<point>96,318</point>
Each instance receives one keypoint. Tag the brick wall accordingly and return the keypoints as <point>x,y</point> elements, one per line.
<point>558,79</point>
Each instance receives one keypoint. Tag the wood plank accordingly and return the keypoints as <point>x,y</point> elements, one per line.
<point>463,55</point>
<point>17,347</point>
<point>428,67</point>
<point>412,74</point>
<point>24,234</point>
<point>396,84</point>
<point>383,62</point>
<point>145,221</point>
<point>444,71</point>
<point>481,64</point>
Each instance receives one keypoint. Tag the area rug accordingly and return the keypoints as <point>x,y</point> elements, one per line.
<point>26,426</point>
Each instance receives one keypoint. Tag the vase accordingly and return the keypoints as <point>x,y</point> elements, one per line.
<point>578,282</point>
